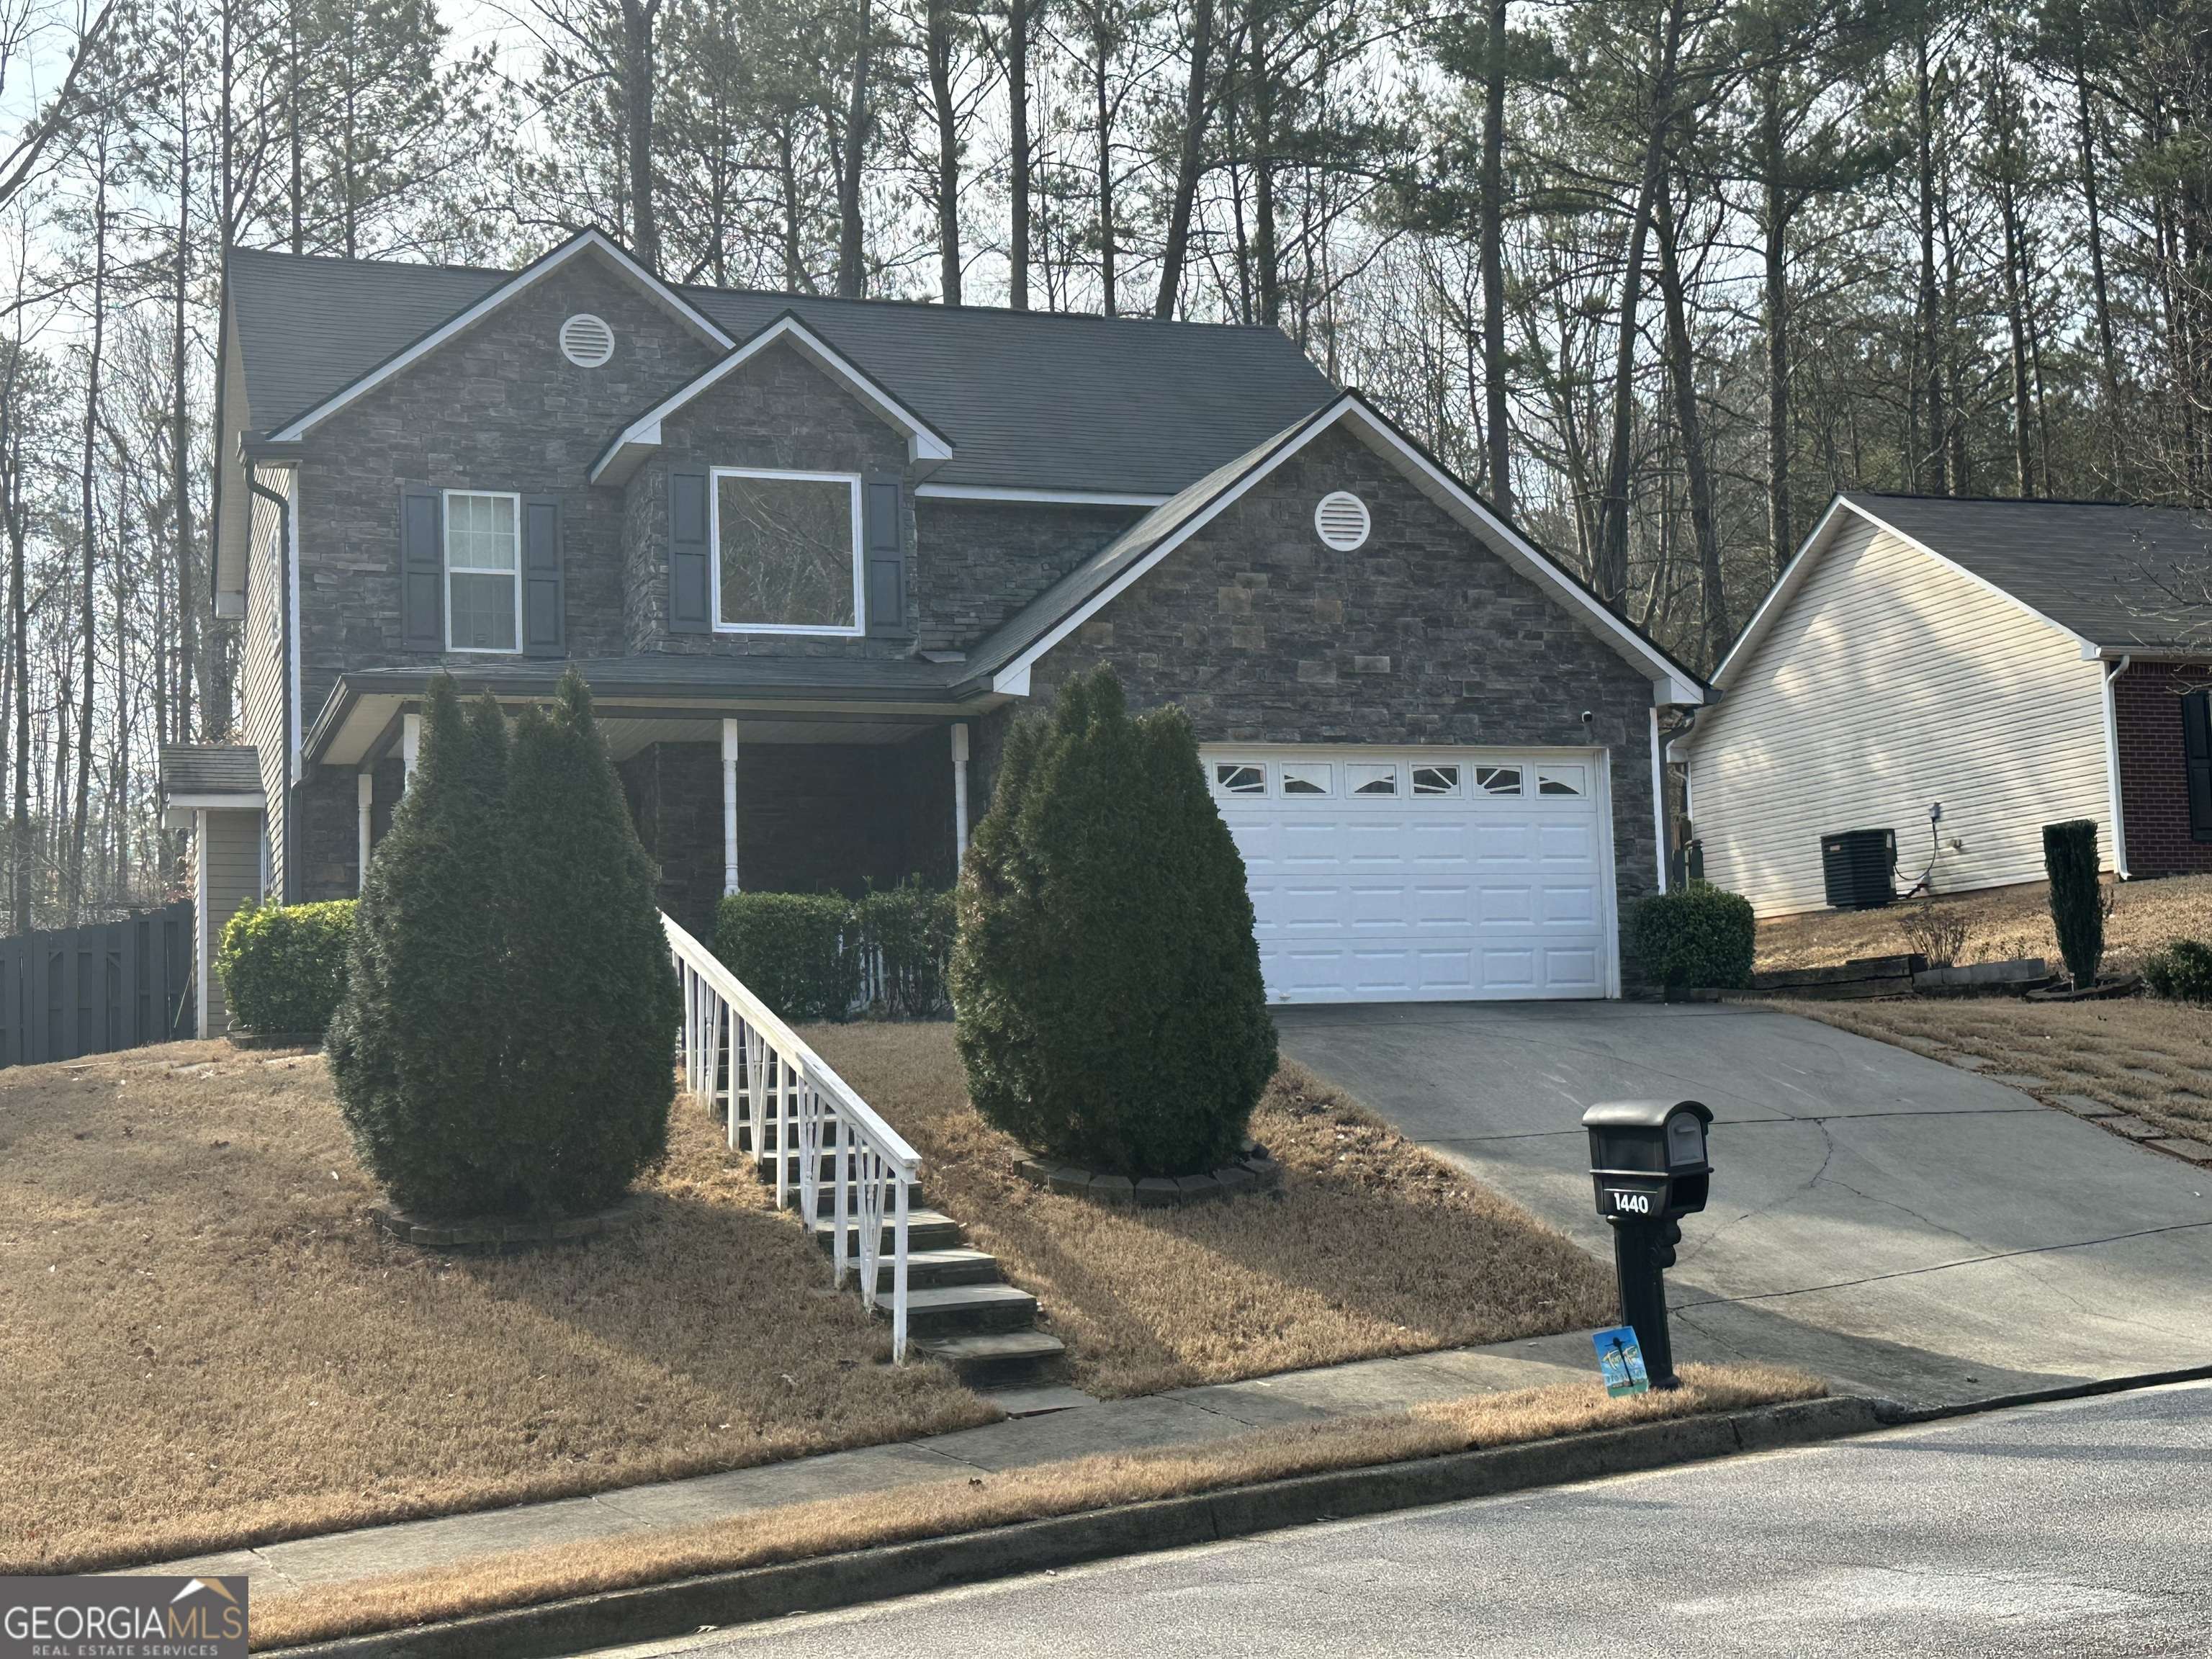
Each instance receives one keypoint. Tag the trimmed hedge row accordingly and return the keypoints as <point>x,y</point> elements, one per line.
<point>284,966</point>
<point>807,954</point>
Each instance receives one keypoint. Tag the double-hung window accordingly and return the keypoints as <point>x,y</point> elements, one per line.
<point>787,556</point>
<point>483,571</point>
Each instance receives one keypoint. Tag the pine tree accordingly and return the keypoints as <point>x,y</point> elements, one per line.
<point>1111,1004</point>
<point>591,1002</point>
<point>414,1048</point>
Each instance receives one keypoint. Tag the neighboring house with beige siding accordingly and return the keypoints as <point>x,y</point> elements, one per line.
<point>2019,663</point>
<point>214,790</point>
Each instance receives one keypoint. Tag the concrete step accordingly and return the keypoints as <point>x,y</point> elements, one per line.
<point>825,1198</point>
<point>968,1310</point>
<point>995,1359</point>
<point>929,1269</point>
<point>1037,1401</point>
<point>925,1230</point>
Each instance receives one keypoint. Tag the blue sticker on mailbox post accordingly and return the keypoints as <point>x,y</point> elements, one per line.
<point>1620,1361</point>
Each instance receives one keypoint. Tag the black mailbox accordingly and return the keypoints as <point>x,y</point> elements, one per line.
<point>1648,1168</point>
<point>1648,1158</point>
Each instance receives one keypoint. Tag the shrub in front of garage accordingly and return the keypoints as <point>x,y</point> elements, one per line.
<point>1110,1010</point>
<point>1697,934</point>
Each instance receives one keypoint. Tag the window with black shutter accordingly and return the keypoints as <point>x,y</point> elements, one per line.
<point>2197,752</point>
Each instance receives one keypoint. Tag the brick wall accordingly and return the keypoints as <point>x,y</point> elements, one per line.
<point>2154,782</point>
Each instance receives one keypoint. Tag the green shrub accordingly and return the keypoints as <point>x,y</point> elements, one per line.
<point>1697,934</point>
<point>1105,978</point>
<point>592,998</point>
<point>910,927</point>
<point>284,966</point>
<point>2180,969</point>
<point>416,1046</point>
<point>793,951</point>
<point>2077,897</point>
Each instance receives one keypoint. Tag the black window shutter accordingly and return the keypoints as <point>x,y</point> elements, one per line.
<point>884,539</point>
<point>541,633</point>
<point>2197,748</point>
<point>687,554</point>
<point>422,568</point>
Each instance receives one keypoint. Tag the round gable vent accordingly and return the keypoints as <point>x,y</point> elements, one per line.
<point>586,341</point>
<point>1341,520</point>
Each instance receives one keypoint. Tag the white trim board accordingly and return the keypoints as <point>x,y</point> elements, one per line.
<point>924,442</point>
<point>584,241</point>
<point>1669,683</point>
<point>951,492</point>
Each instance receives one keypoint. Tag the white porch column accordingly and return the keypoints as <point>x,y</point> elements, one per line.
<point>729,806</point>
<point>959,796</point>
<point>410,744</point>
<point>364,789</point>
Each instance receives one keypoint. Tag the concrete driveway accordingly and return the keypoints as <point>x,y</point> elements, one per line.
<point>1895,1223</point>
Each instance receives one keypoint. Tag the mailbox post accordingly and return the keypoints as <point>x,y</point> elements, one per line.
<point>1648,1169</point>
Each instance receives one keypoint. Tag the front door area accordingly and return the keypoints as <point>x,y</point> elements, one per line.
<point>1423,875</point>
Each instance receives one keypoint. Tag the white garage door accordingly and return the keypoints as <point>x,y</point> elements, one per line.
<point>1386,875</point>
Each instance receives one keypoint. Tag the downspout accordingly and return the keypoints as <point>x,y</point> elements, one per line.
<point>2112,770</point>
<point>1659,798</point>
<point>282,599</point>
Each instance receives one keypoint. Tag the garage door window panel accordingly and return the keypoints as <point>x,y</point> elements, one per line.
<point>1367,778</point>
<point>1560,780</point>
<point>1436,781</point>
<point>1308,778</point>
<point>1240,778</point>
<point>1498,779</point>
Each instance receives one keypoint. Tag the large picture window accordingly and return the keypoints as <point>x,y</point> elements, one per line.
<point>483,576</point>
<point>786,552</point>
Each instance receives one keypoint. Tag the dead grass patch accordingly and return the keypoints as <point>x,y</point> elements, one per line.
<point>970,1504</point>
<point>1373,1247</point>
<point>2003,923</point>
<point>2152,1058</point>
<point>207,1344</point>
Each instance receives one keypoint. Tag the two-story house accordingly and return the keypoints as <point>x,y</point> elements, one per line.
<point>814,555</point>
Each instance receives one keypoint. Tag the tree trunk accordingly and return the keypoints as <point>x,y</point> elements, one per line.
<point>1492,255</point>
<point>2009,220</point>
<point>1017,150</point>
<point>1103,113</point>
<point>787,167</point>
<point>1266,242</point>
<point>850,248</point>
<point>1611,571</point>
<point>88,606</point>
<point>638,18</point>
<point>1682,374</point>
<point>294,135</point>
<point>1931,346</point>
<point>1197,102</point>
<point>1775,230</point>
<point>940,27</point>
<point>180,425</point>
<point>2108,357</point>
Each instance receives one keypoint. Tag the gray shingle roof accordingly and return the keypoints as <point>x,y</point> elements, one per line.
<point>1029,399</point>
<point>2120,576</point>
<point>210,769</point>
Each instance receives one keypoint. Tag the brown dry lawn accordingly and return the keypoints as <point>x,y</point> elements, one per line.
<point>2004,923</point>
<point>2149,1058</point>
<point>207,1343</point>
<point>1373,1247</point>
<point>971,1503</point>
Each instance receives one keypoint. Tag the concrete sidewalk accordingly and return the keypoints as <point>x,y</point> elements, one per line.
<point>1181,1417</point>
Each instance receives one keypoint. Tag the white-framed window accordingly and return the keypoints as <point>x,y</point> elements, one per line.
<point>1307,778</point>
<point>484,570</point>
<point>1371,778</point>
<point>1498,779</point>
<point>1558,780</point>
<point>1436,780</point>
<point>786,552</point>
<point>1240,778</point>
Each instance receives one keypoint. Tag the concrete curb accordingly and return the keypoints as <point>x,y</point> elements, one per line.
<point>1899,1414</point>
<point>659,1612</point>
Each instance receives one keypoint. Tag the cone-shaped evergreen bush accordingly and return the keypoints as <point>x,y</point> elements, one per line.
<point>1110,1006</point>
<point>414,1047</point>
<point>2077,897</point>
<point>591,998</point>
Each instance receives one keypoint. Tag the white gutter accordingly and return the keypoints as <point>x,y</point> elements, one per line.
<point>2112,770</point>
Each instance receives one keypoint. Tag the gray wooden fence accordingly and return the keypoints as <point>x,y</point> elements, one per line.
<point>88,990</point>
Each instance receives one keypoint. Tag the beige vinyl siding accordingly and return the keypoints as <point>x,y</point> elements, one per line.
<point>232,848</point>
<point>262,671</point>
<point>1892,680</point>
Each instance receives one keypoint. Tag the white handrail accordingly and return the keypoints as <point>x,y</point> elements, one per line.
<point>739,1054</point>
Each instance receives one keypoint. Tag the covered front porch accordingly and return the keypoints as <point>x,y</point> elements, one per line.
<point>742,773</point>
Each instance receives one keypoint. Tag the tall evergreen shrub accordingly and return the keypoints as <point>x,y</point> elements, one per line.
<point>1106,981</point>
<point>591,998</point>
<point>2077,897</point>
<point>415,1045</point>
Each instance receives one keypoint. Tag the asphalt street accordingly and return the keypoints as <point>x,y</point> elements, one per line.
<point>2078,1528</point>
